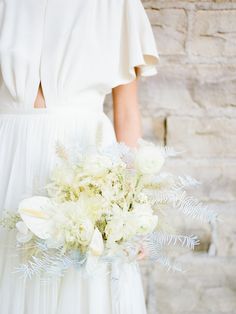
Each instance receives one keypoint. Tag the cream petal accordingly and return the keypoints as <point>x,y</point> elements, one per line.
<point>96,245</point>
<point>33,212</point>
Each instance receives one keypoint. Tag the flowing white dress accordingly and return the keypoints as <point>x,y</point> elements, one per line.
<point>79,50</point>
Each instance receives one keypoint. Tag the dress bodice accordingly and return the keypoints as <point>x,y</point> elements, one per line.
<point>78,49</point>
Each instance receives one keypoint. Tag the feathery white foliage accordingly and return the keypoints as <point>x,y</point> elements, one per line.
<point>186,181</point>
<point>193,208</point>
<point>156,242</point>
<point>106,203</point>
<point>50,263</point>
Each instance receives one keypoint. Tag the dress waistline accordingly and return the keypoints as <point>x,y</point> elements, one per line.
<point>58,110</point>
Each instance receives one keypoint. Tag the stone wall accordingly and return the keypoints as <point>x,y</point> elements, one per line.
<point>191,105</point>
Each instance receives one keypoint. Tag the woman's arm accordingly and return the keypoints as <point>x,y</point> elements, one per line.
<point>127,120</point>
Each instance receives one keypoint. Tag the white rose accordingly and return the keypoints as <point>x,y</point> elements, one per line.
<point>143,218</point>
<point>145,223</point>
<point>86,229</point>
<point>149,159</point>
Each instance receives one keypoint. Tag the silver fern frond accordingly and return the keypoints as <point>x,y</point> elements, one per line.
<point>50,263</point>
<point>185,181</point>
<point>156,242</point>
<point>169,264</point>
<point>194,208</point>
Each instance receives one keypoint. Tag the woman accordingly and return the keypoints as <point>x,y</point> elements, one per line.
<point>58,62</point>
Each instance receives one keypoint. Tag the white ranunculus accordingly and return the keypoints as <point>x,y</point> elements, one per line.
<point>86,228</point>
<point>75,233</point>
<point>71,225</point>
<point>149,159</point>
<point>145,223</point>
<point>143,218</point>
<point>23,235</point>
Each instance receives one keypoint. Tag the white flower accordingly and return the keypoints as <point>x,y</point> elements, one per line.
<point>96,164</point>
<point>71,225</point>
<point>124,224</point>
<point>24,234</point>
<point>144,219</point>
<point>63,174</point>
<point>96,245</point>
<point>34,212</point>
<point>78,231</point>
<point>120,225</point>
<point>149,159</point>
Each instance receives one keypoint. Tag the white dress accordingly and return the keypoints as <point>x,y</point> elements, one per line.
<point>79,50</point>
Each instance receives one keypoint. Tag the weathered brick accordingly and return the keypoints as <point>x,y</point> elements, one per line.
<point>190,89</point>
<point>154,129</point>
<point>207,286</point>
<point>225,230</point>
<point>170,29</point>
<point>214,33</point>
<point>218,177</point>
<point>202,137</point>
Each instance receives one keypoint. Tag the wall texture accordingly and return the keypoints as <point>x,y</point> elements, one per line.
<point>191,105</point>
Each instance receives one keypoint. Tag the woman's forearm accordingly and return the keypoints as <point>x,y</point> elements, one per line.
<point>127,127</point>
<point>127,120</point>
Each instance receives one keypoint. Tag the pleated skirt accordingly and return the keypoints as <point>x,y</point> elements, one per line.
<point>27,155</point>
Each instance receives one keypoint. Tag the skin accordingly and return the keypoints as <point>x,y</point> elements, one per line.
<point>39,101</point>
<point>127,121</point>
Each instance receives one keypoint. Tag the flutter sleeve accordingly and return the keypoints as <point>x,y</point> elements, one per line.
<point>138,48</point>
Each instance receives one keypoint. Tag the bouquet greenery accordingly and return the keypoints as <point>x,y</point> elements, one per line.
<point>103,205</point>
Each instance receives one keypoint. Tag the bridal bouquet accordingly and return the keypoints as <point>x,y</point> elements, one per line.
<point>103,205</point>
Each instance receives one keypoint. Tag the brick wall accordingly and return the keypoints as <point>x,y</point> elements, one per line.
<point>191,105</point>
